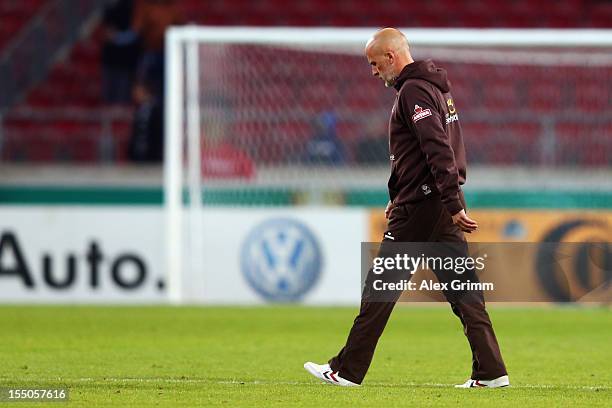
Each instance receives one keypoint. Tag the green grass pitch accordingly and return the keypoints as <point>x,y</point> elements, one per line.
<point>184,356</point>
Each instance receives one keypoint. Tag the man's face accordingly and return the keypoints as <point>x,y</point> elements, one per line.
<point>382,66</point>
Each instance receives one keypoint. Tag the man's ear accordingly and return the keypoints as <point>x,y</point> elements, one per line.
<point>390,57</point>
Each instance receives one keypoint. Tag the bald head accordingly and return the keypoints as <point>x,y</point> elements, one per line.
<point>388,39</point>
<point>388,53</point>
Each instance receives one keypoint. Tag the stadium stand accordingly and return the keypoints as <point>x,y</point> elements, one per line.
<point>13,15</point>
<point>64,117</point>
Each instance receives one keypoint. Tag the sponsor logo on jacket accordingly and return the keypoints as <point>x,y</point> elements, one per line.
<point>420,113</point>
<point>451,116</point>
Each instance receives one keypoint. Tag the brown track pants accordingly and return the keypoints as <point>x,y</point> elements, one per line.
<point>426,221</point>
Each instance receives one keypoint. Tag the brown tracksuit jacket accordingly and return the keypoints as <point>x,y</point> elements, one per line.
<point>425,143</point>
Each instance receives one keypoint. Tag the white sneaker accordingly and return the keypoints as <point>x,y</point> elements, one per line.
<point>502,381</point>
<point>325,373</point>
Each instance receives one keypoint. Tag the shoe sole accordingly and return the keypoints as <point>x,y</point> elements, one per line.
<point>496,386</point>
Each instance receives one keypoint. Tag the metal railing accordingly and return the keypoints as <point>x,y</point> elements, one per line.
<point>28,57</point>
<point>102,133</point>
<point>546,148</point>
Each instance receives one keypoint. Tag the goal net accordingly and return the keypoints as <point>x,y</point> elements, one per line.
<point>286,117</point>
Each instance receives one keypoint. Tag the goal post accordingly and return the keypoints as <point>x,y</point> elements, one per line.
<point>256,115</point>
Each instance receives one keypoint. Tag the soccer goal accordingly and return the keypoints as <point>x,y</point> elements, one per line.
<point>290,117</point>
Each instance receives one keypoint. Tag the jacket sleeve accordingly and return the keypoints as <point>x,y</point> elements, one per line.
<point>420,112</point>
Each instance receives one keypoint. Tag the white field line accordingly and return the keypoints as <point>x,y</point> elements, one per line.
<point>239,382</point>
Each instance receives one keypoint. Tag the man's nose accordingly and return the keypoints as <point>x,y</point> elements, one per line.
<point>374,71</point>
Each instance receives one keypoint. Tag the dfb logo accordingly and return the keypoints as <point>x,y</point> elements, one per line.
<point>281,260</point>
<point>554,280</point>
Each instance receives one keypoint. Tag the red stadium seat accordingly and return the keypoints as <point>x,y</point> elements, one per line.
<point>544,96</point>
<point>591,97</point>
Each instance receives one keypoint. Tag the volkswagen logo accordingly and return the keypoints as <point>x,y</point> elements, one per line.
<point>281,260</point>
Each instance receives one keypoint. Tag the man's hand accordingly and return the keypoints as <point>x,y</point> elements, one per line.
<point>465,223</point>
<point>388,209</point>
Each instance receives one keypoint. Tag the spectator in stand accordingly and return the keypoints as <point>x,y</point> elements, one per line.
<point>325,147</point>
<point>147,140</point>
<point>151,19</point>
<point>120,52</point>
<point>373,148</point>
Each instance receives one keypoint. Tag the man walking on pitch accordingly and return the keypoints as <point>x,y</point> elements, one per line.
<point>428,166</point>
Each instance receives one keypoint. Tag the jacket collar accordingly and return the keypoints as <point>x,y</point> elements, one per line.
<point>409,71</point>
